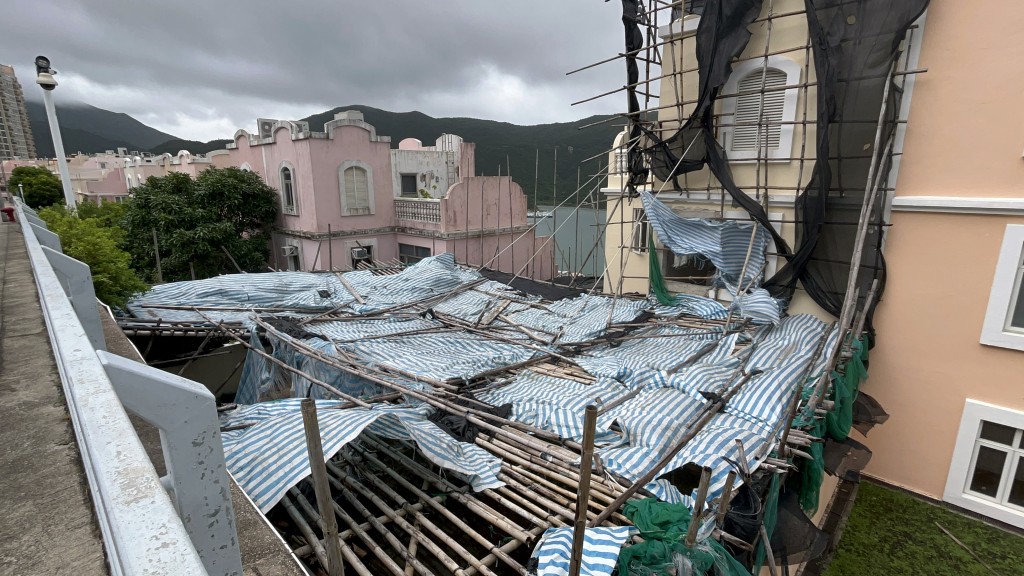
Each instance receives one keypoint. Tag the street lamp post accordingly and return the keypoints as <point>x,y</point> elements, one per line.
<point>45,79</point>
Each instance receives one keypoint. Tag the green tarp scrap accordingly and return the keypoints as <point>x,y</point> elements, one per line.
<point>663,527</point>
<point>658,287</point>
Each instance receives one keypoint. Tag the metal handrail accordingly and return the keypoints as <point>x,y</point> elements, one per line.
<point>141,528</point>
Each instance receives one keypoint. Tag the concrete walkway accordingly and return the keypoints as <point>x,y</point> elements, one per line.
<point>47,524</point>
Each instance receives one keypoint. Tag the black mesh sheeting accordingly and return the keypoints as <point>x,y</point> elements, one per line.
<point>795,538</point>
<point>846,458</point>
<point>867,413</point>
<point>632,17</point>
<point>457,426</point>
<point>855,43</point>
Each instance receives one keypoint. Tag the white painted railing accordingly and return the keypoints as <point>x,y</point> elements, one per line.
<point>419,209</point>
<point>181,524</point>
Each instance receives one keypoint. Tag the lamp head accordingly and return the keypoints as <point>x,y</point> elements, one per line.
<point>44,74</point>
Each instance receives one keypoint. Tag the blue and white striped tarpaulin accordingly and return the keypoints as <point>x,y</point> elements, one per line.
<point>270,456</point>
<point>656,419</point>
<point>296,291</point>
<point>725,243</point>
<point>600,550</point>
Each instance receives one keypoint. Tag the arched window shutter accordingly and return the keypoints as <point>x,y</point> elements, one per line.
<point>745,133</point>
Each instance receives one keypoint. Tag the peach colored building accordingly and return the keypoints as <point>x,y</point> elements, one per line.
<point>347,197</point>
<point>948,365</point>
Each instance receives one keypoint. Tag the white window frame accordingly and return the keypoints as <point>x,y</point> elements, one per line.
<point>1005,286</point>
<point>638,230</point>
<point>369,186</point>
<point>785,150</point>
<point>967,441</point>
<point>370,243</point>
<point>298,254</point>
<point>292,210</point>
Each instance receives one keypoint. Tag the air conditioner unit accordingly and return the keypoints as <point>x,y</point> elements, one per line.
<point>360,254</point>
<point>290,250</point>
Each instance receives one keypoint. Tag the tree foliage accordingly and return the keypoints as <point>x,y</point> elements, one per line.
<point>42,188</point>
<point>197,220</point>
<point>87,237</point>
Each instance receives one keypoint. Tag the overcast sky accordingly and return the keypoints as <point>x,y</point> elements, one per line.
<point>200,70</point>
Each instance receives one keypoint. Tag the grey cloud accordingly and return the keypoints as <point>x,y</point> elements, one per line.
<point>230,61</point>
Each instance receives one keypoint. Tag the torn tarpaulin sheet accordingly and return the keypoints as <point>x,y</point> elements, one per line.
<point>600,550</point>
<point>269,455</point>
<point>725,243</point>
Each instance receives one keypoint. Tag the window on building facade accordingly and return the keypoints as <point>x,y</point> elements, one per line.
<point>997,467</point>
<point>292,257</point>
<point>691,269</point>
<point>986,474</point>
<point>641,231</point>
<point>758,124</point>
<point>361,255</point>
<point>288,205</point>
<point>356,191</point>
<point>757,118</point>
<point>1004,318</point>
<point>411,254</point>
<point>409,185</point>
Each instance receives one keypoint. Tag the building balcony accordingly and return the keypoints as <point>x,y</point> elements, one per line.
<point>418,209</point>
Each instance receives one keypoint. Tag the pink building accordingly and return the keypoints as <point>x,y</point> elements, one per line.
<point>347,197</point>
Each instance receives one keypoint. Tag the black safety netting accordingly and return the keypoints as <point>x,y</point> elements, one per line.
<point>458,426</point>
<point>855,45</point>
<point>867,413</point>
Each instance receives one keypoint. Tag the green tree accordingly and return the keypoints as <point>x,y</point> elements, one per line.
<point>42,188</point>
<point>196,221</point>
<point>110,214</point>
<point>90,241</point>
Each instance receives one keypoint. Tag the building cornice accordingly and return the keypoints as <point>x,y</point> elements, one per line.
<point>959,205</point>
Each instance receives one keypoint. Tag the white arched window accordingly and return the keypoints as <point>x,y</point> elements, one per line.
<point>758,111</point>
<point>356,183</point>
<point>288,203</point>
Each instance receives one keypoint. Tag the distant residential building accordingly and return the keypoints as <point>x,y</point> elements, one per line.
<point>347,197</point>
<point>15,132</point>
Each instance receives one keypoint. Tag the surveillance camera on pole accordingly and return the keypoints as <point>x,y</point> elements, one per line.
<point>45,79</point>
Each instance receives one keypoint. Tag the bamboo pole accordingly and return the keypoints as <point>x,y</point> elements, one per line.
<point>198,351</point>
<point>413,532</point>
<point>420,520</point>
<point>156,253</point>
<point>448,515</point>
<point>309,377</point>
<point>320,485</point>
<point>583,494</point>
<point>305,530</point>
<point>723,502</point>
<point>468,500</point>
<point>347,553</point>
<point>706,415</point>
<point>698,507</point>
<point>232,259</point>
<point>370,544</point>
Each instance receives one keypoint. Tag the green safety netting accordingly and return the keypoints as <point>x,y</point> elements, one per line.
<point>658,287</point>
<point>836,424</point>
<point>663,527</point>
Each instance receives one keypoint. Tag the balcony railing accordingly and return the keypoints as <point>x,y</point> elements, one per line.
<point>183,523</point>
<point>420,209</point>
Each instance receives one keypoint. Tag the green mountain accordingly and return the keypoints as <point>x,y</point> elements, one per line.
<point>85,128</point>
<point>528,151</point>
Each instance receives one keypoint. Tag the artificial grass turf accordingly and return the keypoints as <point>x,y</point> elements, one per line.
<point>890,533</point>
